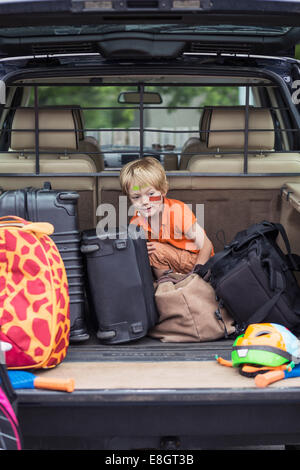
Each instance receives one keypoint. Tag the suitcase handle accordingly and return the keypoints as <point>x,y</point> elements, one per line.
<point>89,248</point>
<point>62,196</point>
<point>68,196</point>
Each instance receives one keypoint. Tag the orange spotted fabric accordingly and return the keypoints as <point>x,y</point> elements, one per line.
<point>34,297</point>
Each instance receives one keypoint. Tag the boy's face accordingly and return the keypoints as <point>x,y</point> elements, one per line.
<point>146,199</point>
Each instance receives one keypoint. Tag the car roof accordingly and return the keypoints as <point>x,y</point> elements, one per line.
<point>149,28</point>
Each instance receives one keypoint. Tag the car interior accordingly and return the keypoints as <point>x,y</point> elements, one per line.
<point>238,157</point>
<point>229,146</point>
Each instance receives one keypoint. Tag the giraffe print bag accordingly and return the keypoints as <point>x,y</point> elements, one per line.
<point>34,299</point>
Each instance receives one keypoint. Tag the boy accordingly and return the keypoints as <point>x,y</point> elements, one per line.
<point>175,240</point>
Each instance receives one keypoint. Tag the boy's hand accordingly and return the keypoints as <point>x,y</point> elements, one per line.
<point>151,247</point>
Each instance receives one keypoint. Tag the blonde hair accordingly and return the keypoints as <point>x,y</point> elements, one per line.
<point>146,171</point>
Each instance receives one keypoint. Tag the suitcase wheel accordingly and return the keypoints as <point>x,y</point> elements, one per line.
<point>89,248</point>
<point>106,334</point>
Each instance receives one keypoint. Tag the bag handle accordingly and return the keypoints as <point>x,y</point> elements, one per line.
<point>173,277</point>
<point>262,312</point>
<point>38,227</point>
<point>292,258</point>
<point>170,276</point>
<point>283,234</point>
<point>13,217</point>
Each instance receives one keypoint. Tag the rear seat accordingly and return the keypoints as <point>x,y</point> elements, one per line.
<point>195,145</point>
<point>54,158</point>
<point>87,144</point>
<point>250,198</point>
<point>261,139</point>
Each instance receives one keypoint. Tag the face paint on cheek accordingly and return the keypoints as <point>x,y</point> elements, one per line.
<point>155,198</point>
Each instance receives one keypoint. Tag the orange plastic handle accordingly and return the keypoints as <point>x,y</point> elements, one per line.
<point>224,362</point>
<point>248,368</point>
<point>268,378</point>
<point>64,385</point>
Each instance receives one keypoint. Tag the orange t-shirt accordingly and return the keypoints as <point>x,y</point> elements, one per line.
<point>177,219</point>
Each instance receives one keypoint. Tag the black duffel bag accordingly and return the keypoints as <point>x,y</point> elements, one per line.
<point>254,280</point>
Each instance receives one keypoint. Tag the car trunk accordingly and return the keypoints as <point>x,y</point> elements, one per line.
<point>149,394</point>
<point>146,394</point>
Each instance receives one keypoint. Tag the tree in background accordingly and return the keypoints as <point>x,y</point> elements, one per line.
<point>89,97</point>
<point>106,96</point>
<point>207,96</point>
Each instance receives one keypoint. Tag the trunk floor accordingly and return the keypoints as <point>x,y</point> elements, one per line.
<point>93,375</point>
<point>149,364</point>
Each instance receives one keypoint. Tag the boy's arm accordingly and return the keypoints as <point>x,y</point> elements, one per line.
<point>198,235</point>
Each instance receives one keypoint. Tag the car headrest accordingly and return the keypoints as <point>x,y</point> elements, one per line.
<point>203,124</point>
<point>50,121</point>
<point>261,135</point>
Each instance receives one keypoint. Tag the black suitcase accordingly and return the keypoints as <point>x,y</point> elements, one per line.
<point>60,209</point>
<point>121,288</point>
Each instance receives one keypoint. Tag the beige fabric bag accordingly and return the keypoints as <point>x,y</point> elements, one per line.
<point>187,308</point>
